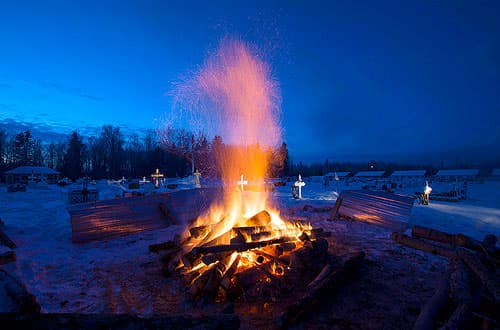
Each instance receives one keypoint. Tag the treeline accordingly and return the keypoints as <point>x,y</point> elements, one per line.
<point>318,168</point>
<point>111,155</point>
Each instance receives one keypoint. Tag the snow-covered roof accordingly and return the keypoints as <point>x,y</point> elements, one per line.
<point>339,174</point>
<point>409,173</point>
<point>370,173</point>
<point>496,172</point>
<point>28,170</point>
<point>461,172</point>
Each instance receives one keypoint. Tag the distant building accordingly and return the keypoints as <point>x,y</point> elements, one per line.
<point>409,174</point>
<point>460,174</point>
<point>23,174</point>
<point>369,174</point>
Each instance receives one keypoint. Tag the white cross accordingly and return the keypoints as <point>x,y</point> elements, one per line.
<point>299,183</point>
<point>197,175</point>
<point>242,182</point>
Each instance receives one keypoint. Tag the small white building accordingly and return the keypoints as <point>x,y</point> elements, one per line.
<point>23,174</point>
<point>459,174</point>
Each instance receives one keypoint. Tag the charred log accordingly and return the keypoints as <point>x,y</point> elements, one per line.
<point>263,218</point>
<point>163,246</point>
<point>239,247</point>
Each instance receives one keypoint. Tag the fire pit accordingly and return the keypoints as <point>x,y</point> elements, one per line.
<point>258,254</point>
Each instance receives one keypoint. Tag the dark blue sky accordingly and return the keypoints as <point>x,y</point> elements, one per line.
<point>359,79</point>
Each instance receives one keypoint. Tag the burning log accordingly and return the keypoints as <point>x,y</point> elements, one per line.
<point>226,279</point>
<point>191,259</point>
<point>7,257</point>
<point>210,258</point>
<point>254,276</point>
<point>208,283</point>
<point>487,277</point>
<point>318,291</point>
<point>263,218</point>
<point>200,231</point>
<point>259,236</point>
<point>430,311</point>
<point>422,245</point>
<point>239,247</point>
<point>247,231</point>
<point>310,256</point>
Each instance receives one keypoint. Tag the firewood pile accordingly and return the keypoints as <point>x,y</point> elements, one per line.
<point>468,297</point>
<point>255,260</point>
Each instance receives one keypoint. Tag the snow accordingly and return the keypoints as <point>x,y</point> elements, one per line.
<point>27,170</point>
<point>120,275</point>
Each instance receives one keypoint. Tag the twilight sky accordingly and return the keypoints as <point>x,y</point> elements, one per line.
<point>359,79</point>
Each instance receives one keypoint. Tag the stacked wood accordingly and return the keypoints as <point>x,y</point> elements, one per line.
<point>211,267</point>
<point>474,264</point>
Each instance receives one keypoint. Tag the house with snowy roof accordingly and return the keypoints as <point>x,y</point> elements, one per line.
<point>23,174</point>
<point>458,174</point>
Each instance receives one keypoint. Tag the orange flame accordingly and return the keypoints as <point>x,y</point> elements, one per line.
<point>234,95</point>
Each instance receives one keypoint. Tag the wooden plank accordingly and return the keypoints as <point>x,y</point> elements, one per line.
<point>375,207</point>
<point>110,219</point>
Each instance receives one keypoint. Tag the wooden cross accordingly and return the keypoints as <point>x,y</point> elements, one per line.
<point>242,183</point>
<point>197,176</point>
<point>299,183</point>
<point>156,176</point>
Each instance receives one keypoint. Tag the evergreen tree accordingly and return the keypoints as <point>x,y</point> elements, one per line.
<point>73,163</point>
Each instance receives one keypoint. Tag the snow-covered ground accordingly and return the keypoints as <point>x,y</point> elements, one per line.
<point>120,275</point>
